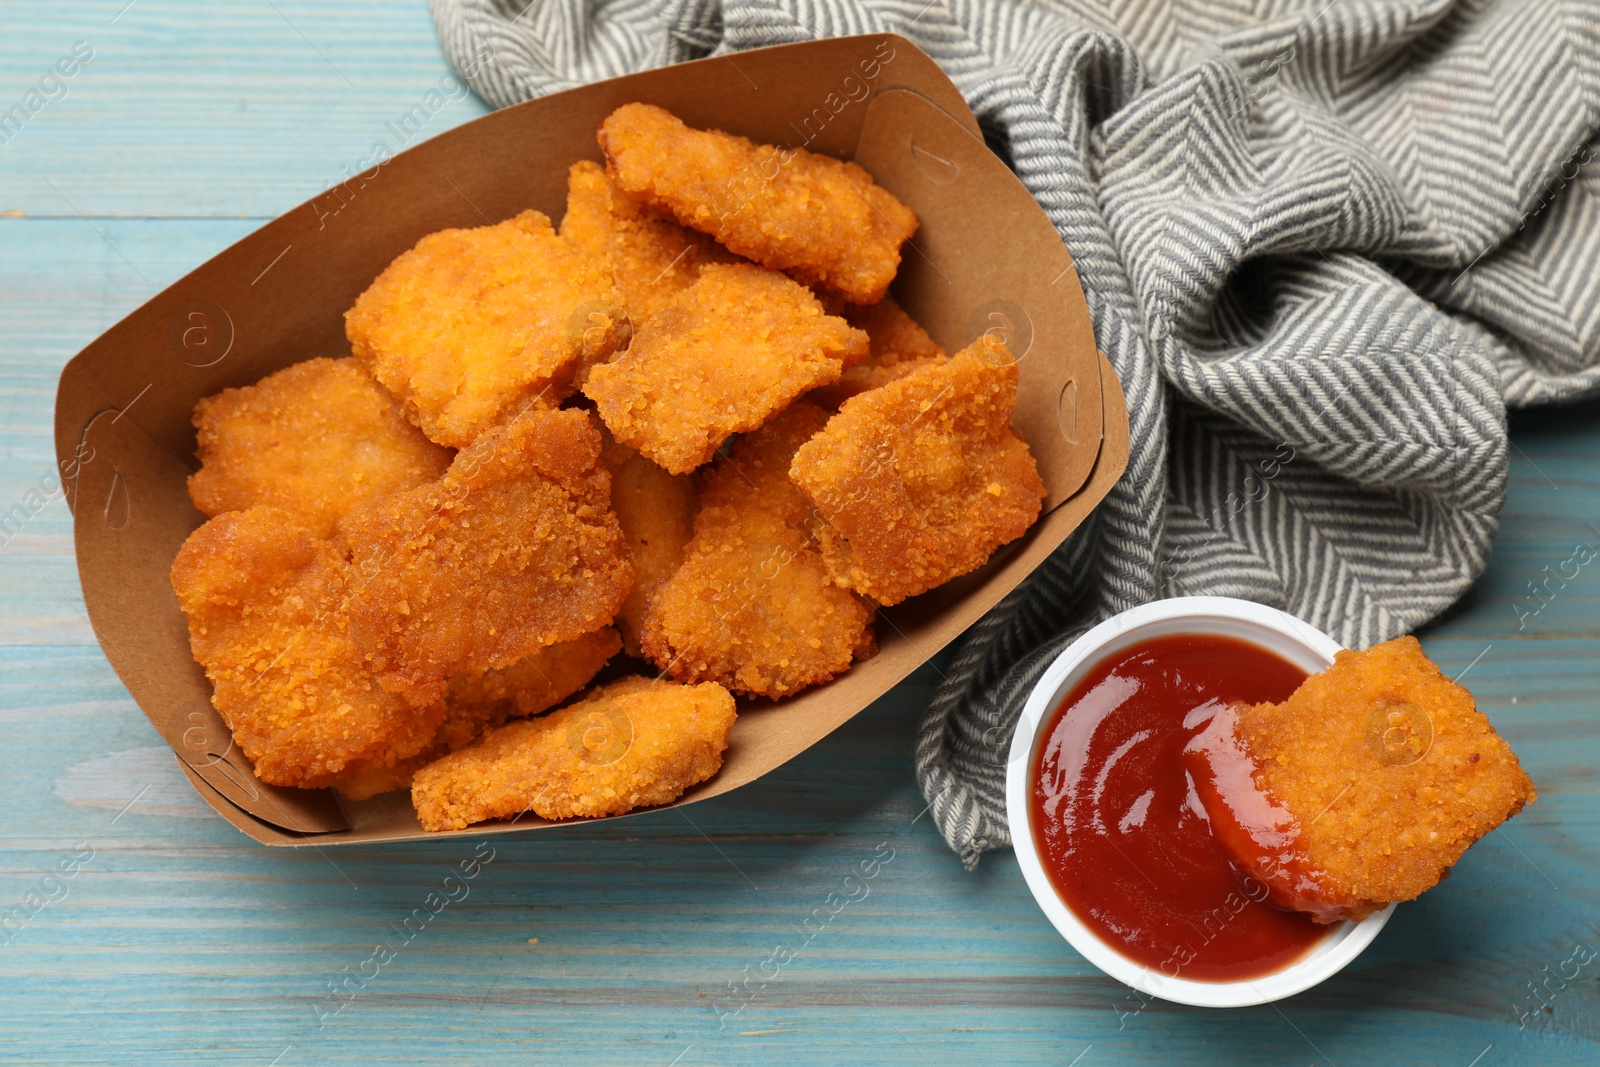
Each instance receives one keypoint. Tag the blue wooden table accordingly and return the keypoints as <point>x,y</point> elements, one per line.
<point>152,932</point>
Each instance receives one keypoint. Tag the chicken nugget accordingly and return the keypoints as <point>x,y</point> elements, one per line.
<point>752,607</point>
<point>652,259</point>
<point>471,326</point>
<point>513,549</point>
<point>898,347</point>
<point>921,480</point>
<point>633,743</point>
<point>262,594</point>
<point>363,779</point>
<point>318,439</point>
<point>656,512</point>
<point>735,347</point>
<point>824,221</point>
<point>475,703</point>
<point>1362,789</point>
<point>895,336</point>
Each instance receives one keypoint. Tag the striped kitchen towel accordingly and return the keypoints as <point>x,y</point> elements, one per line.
<point>1325,245</point>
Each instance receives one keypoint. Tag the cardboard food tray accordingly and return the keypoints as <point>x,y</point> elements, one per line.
<point>985,258</point>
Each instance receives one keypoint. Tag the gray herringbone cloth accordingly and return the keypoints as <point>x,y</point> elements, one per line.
<point>1325,245</point>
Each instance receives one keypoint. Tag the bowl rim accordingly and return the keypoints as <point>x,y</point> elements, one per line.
<point>1278,631</point>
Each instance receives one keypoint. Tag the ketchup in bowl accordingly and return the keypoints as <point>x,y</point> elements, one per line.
<point>1121,831</point>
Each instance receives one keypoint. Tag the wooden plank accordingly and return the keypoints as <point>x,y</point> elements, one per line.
<point>179,940</point>
<point>192,109</point>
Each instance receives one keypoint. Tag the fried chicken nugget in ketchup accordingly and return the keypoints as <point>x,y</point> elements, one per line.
<point>921,480</point>
<point>471,326</point>
<point>515,548</point>
<point>631,744</point>
<point>263,597</point>
<point>821,220</point>
<point>1361,789</point>
<point>731,350</point>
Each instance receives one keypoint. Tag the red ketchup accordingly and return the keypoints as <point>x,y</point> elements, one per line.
<point>1121,830</point>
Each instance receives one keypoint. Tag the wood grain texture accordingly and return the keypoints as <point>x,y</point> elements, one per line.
<point>179,941</point>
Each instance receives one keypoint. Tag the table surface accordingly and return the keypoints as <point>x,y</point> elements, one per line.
<point>177,940</point>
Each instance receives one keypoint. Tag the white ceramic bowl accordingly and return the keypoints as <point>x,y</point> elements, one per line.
<point>1296,641</point>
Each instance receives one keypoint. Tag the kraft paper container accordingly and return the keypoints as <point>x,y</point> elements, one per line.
<point>985,258</point>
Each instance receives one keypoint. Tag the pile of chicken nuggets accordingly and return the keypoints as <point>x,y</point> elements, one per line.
<point>687,431</point>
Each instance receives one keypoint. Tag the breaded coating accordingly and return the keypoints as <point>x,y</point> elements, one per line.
<point>735,347</point>
<point>631,744</point>
<point>365,779</point>
<point>475,703</point>
<point>471,326</point>
<point>262,594</point>
<point>823,221</point>
<point>656,512</point>
<point>1363,788</point>
<point>318,439</point>
<point>921,480</point>
<point>515,548</point>
<point>895,336</point>
<point>899,346</point>
<point>652,259</point>
<point>752,606</point>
